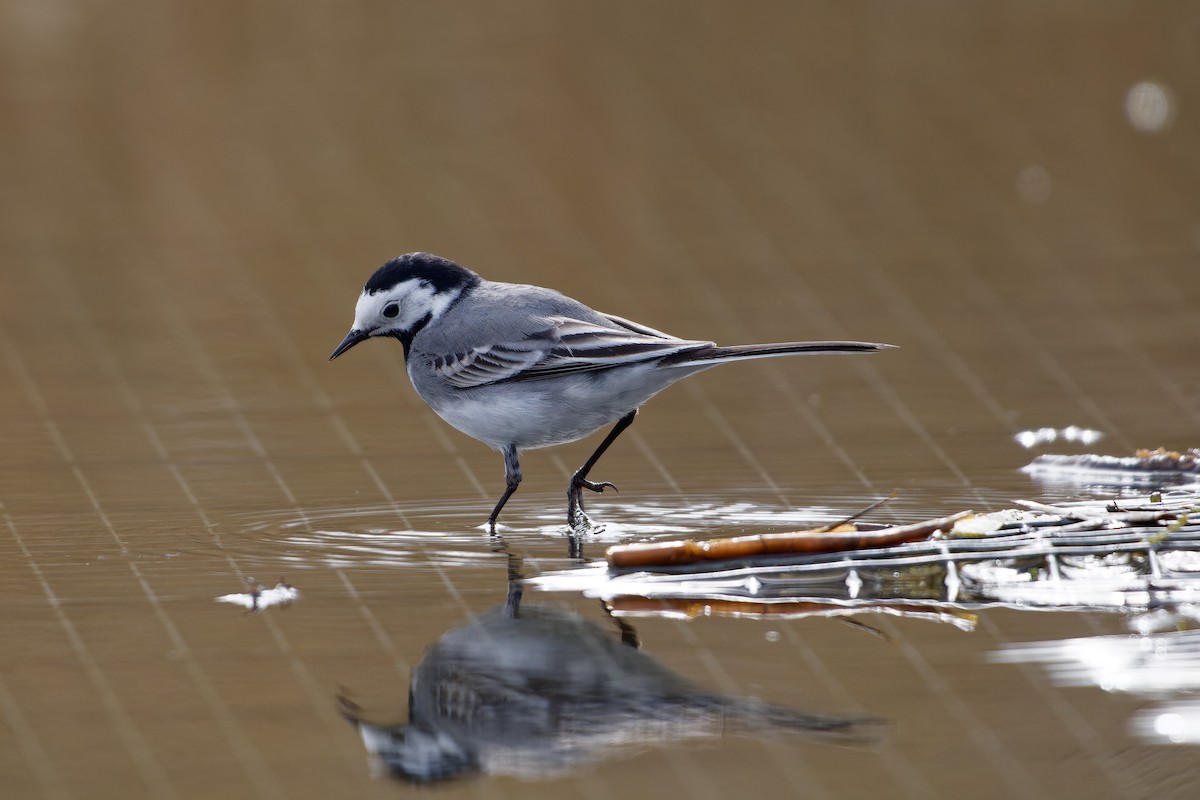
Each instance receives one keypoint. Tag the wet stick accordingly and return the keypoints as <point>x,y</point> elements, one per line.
<point>690,551</point>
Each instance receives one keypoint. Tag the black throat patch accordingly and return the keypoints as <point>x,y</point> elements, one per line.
<point>406,337</point>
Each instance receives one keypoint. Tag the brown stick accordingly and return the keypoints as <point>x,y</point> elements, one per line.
<point>690,551</point>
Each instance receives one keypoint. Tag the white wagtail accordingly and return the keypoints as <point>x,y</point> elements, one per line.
<point>543,691</point>
<point>519,367</point>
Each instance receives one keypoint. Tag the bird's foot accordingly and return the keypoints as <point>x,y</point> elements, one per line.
<point>580,524</point>
<point>577,520</point>
<point>594,486</point>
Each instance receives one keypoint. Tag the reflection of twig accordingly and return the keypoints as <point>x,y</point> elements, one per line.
<point>857,514</point>
<point>347,708</point>
<point>862,626</point>
<point>693,606</point>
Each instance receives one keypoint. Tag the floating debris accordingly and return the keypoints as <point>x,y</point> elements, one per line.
<point>260,598</point>
<point>1144,467</point>
<point>643,555</point>
<point>1136,556</point>
<point>1129,555</point>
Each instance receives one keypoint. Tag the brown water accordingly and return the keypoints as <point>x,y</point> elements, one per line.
<point>192,197</point>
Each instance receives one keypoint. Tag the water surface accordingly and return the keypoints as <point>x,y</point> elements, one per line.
<point>192,198</point>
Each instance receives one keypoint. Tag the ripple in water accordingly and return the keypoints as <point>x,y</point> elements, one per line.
<point>451,534</point>
<point>368,536</point>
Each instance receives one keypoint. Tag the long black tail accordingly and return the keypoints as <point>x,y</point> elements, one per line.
<point>741,352</point>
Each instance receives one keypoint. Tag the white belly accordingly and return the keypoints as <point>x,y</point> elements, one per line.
<point>543,413</point>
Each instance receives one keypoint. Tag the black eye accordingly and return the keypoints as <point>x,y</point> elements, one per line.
<point>391,310</point>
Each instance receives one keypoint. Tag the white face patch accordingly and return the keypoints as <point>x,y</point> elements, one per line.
<point>413,300</point>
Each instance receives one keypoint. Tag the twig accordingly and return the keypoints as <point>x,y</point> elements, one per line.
<point>857,514</point>
<point>690,551</point>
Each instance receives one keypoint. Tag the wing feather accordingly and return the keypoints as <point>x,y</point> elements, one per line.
<point>565,346</point>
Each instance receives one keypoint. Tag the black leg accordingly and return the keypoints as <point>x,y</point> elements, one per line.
<point>513,604</point>
<point>575,545</point>
<point>512,477</point>
<point>579,480</point>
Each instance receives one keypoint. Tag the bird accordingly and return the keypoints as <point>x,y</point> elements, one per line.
<point>519,367</point>
<point>535,692</point>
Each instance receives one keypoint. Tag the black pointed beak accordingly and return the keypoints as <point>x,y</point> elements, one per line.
<point>352,338</point>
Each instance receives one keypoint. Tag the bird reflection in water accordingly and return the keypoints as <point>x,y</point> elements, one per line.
<point>535,692</point>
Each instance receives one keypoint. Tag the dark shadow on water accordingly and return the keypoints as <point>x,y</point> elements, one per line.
<point>535,692</point>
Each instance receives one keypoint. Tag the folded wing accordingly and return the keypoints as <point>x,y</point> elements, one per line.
<point>564,346</point>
